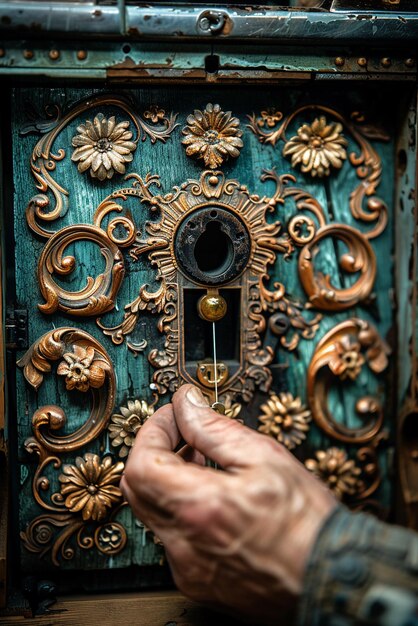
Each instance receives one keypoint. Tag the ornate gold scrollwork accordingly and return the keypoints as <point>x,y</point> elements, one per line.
<point>266,242</point>
<point>315,154</point>
<point>317,147</point>
<point>89,364</point>
<point>308,232</point>
<point>99,294</point>
<point>359,258</point>
<point>266,310</point>
<point>89,491</point>
<point>44,160</point>
<point>340,354</point>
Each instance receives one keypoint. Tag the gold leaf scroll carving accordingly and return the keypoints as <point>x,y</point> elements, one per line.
<point>360,257</point>
<point>52,347</point>
<point>341,354</point>
<point>329,151</point>
<point>39,212</point>
<point>99,294</point>
<point>266,242</point>
<point>363,203</point>
<point>88,491</point>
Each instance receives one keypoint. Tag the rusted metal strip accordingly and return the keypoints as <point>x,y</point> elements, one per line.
<point>141,61</point>
<point>30,18</point>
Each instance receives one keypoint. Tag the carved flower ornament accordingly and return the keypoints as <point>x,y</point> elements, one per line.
<point>103,146</point>
<point>110,538</point>
<point>154,113</point>
<point>124,427</point>
<point>212,135</point>
<point>317,147</point>
<point>269,117</point>
<point>232,409</point>
<point>338,472</point>
<point>285,418</point>
<point>347,360</point>
<point>81,369</point>
<point>91,486</point>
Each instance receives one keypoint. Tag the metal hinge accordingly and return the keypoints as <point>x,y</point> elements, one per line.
<point>16,328</point>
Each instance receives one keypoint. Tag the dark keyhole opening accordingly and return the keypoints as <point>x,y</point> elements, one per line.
<point>213,250</point>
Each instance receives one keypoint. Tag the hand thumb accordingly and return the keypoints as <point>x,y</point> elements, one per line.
<point>220,438</point>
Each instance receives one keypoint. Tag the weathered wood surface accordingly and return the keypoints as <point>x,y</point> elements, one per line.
<point>145,609</point>
<point>4,472</point>
<point>170,162</point>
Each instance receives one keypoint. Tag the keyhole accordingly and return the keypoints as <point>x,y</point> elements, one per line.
<point>212,245</point>
<point>213,250</point>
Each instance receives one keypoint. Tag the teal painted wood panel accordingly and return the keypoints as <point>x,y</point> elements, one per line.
<point>169,161</point>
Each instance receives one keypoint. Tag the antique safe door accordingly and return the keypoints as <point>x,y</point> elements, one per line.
<point>255,240</point>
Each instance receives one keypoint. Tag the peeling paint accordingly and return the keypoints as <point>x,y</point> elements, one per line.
<point>240,22</point>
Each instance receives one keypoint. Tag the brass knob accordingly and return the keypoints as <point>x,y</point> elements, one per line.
<point>212,307</point>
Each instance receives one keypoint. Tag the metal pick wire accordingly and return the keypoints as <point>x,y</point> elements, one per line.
<point>215,366</point>
<point>209,462</point>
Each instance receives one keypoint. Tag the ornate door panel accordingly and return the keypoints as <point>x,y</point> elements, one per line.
<point>132,205</point>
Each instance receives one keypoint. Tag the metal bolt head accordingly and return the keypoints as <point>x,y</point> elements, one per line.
<point>204,23</point>
<point>212,308</point>
<point>386,62</point>
<point>81,55</point>
<point>362,61</point>
<point>28,54</point>
<point>212,21</point>
<point>54,55</point>
<point>339,61</point>
<point>410,62</point>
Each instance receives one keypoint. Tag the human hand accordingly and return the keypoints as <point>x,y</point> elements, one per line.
<point>238,538</point>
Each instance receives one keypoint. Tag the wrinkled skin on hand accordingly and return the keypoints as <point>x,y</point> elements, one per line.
<point>239,538</point>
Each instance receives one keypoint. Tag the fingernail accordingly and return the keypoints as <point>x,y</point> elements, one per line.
<point>196,397</point>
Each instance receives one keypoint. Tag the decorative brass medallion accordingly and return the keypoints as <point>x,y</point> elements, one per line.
<point>124,426</point>
<point>212,135</point>
<point>227,209</point>
<point>103,147</point>
<point>339,473</point>
<point>44,160</point>
<point>91,486</point>
<point>317,147</point>
<point>285,418</point>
